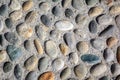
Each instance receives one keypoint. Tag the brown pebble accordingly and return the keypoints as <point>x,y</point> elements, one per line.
<point>27,5</point>
<point>64,49</point>
<point>111,41</point>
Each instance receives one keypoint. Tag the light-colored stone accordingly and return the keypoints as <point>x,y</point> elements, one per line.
<point>45,6</point>
<point>73,57</point>
<point>15,5</point>
<point>3,55</point>
<point>64,49</point>
<point>66,3</point>
<point>27,5</point>
<point>115,9</point>
<point>1,25</point>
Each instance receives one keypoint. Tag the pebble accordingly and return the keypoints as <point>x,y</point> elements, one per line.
<point>98,69</point>
<point>38,46</point>
<point>31,63</point>
<point>57,64</point>
<point>118,54</point>
<point>1,26</point>
<point>3,9</point>
<point>90,78</point>
<point>73,57</point>
<point>18,72</point>
<point>65,73</point>
<point>91,2</point>
<point>57,11</point>
<point>28,45</point>
<point>51,49</point>
<point>16,15</point>
<point>11,37</point>
<point>107,2</point>
<point>14,52</point>
<point>27,5</point>
<point>64,49</point>
<point>115,69</point>
<point>82,47</point>
<point>107,31</point>
<point>15,5</point>
<point>98,44</point>
<point>104,19</point>
<point>115,9</point>
<point>9,23</point>
<point>31,17</point>
<point>80,71</point>
<point>49,75</point>
<point>104,78</point>
<point>108,55</point>
<point>66,3</point>
<point>43,63</point>
<point>118,77</point>
<point>111,41</point>
<point>24,30</point>
<point>7,67</point>
<point>3,55</point>
<point>90,58</point>
<point>31,76</point>
<point>68,13</point>
<point>72,79</point>
<point>45,20</point>
<point>64,25</point>
<point>55,34</point>
<point>45,6</point>
<point>55,0</point>
<point>1,40</point>
<point>117,20</point>
<point>93,27</point>
<point>95,11</point>
<point>69,39</point>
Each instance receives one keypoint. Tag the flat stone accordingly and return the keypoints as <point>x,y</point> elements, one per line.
<point>27,5</point>
<point>18,72</point>
<point>3,55</point>
<point>73,57</point>
<point>28,45</point>
<point>90,58</point>
<point>31,63</point>
<point>82,47</point>
<point>91,2</point>
<point>9,23</point>
<point>31,76</point>
<point>38,46</point>
<point>3,9</point>
<point>65,73</point>
<point>1,26</point>
<point>49,75</point>
<point>93,27</point>
<point>45,20</point>
<point>98,69</point>
<point>51,49</point>
<point>64,25</point>
<point>57,11</point>
<point>118,54</point>
<point>115,9</point>
<point>15,5</point>
<point>43,63</point>
<point>57,64</point>
<point>14,52</point>
<point>44,6</point>
<point>115,69</point>
<point>68,13</point>
<point>95,11</point>
<point>80,71</point>
<point>111,41</point>
<point>64,49</point>
<point>7,67</point>
<point>66,3</point>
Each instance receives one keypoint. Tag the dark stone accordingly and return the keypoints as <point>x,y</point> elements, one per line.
<point>3,9</point>
<point>9,23</point>
<point>31,76</point>
<point>68,13</point>
<point>104,78</point>
<point>45,20</point>
<point>18,72</point>
<point>56,11</point>
<point>7,67</point>
<point>93,26</point>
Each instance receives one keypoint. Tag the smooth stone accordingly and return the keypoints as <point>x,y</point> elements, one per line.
<point>115,69</point>
<point>104,78</point>
<point>49,75</point>
<point>95,11</point>
<point>7,67</point>
<point>44,6</point>
<point>3,9</point>
<point>117,20</point>
<point>72,79</point>
<point>98,69</point>
<point>69,39</point>
<point>64,49</point>
<point>16,15</point>
<point>107,2</point>
<point>31,76</point>
<point>11,37</point>
<point>118,77</point>
<point>90,78</point>
<point>3,55</point>
<point>27,5</point>
<point>55,34</point>
<point>31,63</point>
<point>14,52</point>
<point>24,30</point>
<point>98,44</point>
<point>63,25</point>
<point>38,46</point>
<point>51,49</point>
<point>31,17</point>
<point>15,5</point>
<point>80,71</point>
<point>118,54</point>
<point>93,27</point>
<point>111,41</point>
<point>65,73</point>
<point>9,23</point>
<point>1,26</point>
<point>107,31</point>
<point>66,3</point>
<point>68,13</point>
<point>57,64</point>
<point>18,72</point>
<point>55,0</point>
<point>57,11</point>
<point>28,45</point>
<point>82,47</point>
<point>91,2</point>
<point>114,10</point>
<point>104,19</point>
<point>45,20</point>
<point>108,55</point>
<point>73,57</point>
<point>1,40</point>
<point>43,63</point>
<point>90,58</point>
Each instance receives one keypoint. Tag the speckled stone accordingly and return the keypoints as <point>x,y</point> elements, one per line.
<point>115,9</point>
<point>68,13</point>
<point>7,67</point>
<point>64,49</point>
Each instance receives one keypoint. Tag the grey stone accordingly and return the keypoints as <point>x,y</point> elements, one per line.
<point>7,67</point>
<point>18,72</point>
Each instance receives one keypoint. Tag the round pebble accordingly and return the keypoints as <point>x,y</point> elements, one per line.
<point>91,2</point>
<point>57,11</point>
<point>93,26</point>
<point>115,9</point>
<point>45,20</point>
<point>28,45</point>
<point>111,41</point>
<point>64,49</point>
<point>7,67</point>
<point>3,9</point>
<point>44,6</point>
<point>9,23</point>
<point>115,69</point>
<point>15,5</point>
<point>68,13</point>
<point>73,57</point>
<point>3,55</point>
<point>27,5</point>
<point>31,76</point>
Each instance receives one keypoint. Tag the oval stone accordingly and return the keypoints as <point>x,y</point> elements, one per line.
<point>9,23</point>
<point>27,5</point>
<point>117,19</point>
<point>118,54</point>
<point>57,11</point>
<point>45,20</point>
<point>111,41</point>
<point>73,57</point>
<point>31,76</point>
<point>45,6</point>
<point>66,3</point>
<point>115,69</point>
<point>1,25</point>
<point>93,26</point>
<point>91,2</point>
<point>7,67</point>
<point>115,9</point>
<point>68,13</point>
<point>64,49</point>
<point>3,55</point>
<point>18,72</point>
<point>3,9</point>
<point>28,45</point>
<point>15,5</point>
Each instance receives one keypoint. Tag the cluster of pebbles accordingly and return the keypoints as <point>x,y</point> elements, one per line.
<point>59,40</point>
